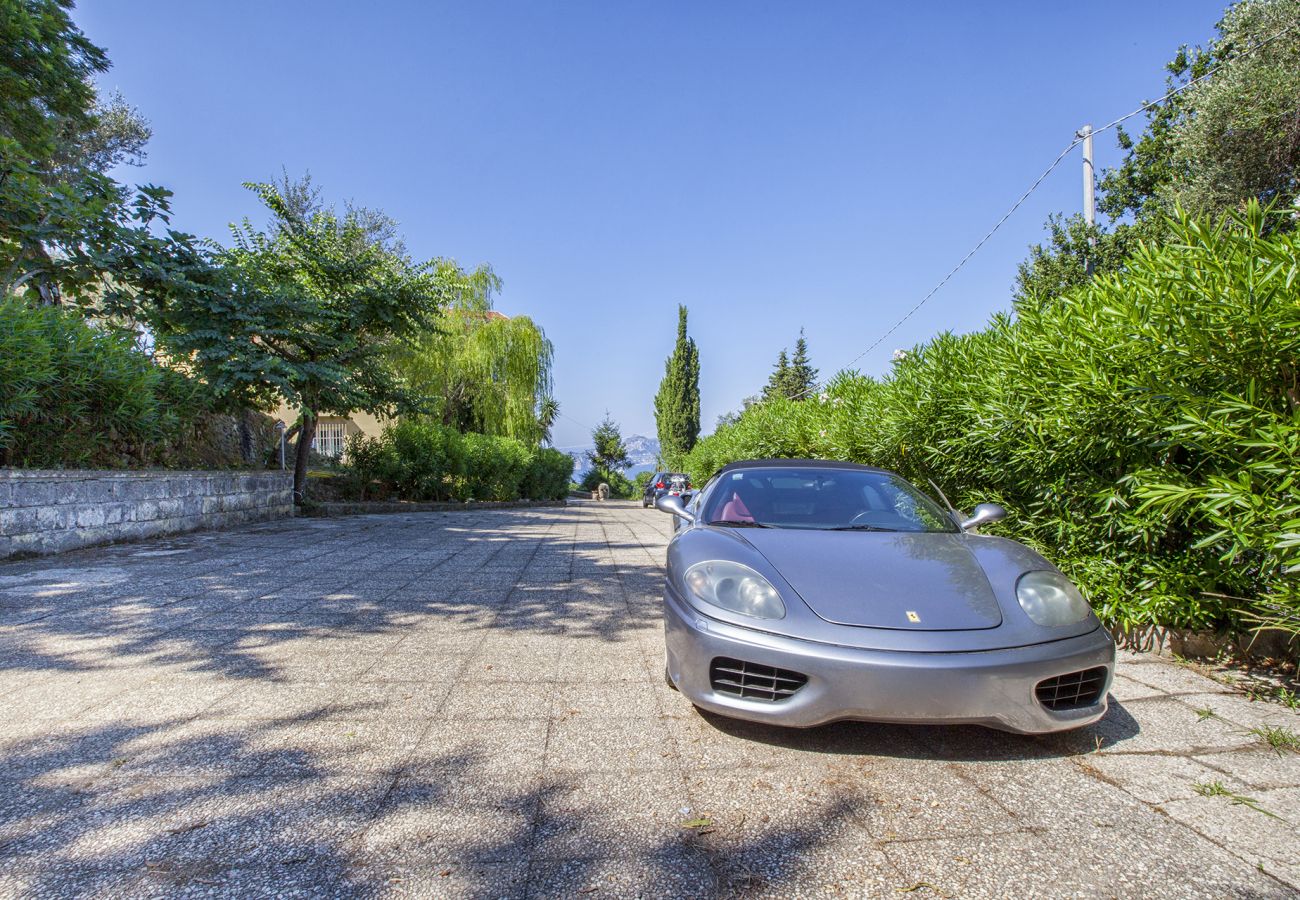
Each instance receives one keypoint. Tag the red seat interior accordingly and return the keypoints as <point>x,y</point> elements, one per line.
<point>735,510</point>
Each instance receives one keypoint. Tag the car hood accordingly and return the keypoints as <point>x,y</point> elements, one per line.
<point>914,582</point>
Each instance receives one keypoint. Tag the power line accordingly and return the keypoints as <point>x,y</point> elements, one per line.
<point>1178,90</point>
<point>957,268</point>
<point>575,421</point>
<point>1033,187</point>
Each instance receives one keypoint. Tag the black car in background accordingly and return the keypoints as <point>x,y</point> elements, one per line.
<point>674,483</point>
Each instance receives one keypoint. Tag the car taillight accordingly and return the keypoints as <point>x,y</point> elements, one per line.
<point>659,484</point>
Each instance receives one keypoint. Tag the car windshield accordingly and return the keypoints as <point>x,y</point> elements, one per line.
<point>822,498</point>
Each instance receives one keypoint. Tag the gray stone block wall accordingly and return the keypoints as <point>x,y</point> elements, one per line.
<point>45,511</point>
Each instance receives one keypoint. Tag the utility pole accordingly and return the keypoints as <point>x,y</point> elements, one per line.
<point>1089,188</point>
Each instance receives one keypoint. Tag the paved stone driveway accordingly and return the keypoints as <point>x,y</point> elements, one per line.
<point>472,704</point>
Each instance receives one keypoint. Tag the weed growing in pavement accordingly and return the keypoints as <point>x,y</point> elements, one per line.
<point>1279,694</point>
<point>1279,737</point>
<point>1206,713</point>
<point>1216,789</point>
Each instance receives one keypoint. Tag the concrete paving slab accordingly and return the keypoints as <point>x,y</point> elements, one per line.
<point>1261,827</point>
<point>472,704</point>
<point>610,815</point>
<point>429,877</point>
<point>1257,767</point>
<point>1171,677</point>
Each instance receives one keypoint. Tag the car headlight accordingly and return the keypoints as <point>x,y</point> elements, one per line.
<point>1050,599</point>
<point>734,587</point>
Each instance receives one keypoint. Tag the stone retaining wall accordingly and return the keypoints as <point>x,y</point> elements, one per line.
<point>45,511</point>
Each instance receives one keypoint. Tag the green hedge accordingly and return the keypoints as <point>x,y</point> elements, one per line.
<point>76,395</point>
<point>1143,430</point>
<point>422,461</point>
<point>619,484</point>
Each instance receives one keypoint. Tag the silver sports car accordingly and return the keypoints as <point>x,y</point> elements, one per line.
<point>799,592</point>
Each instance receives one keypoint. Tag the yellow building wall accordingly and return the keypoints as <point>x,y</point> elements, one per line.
<point>362,423</point>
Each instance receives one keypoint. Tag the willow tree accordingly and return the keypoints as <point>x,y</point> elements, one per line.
<point>478,370</point>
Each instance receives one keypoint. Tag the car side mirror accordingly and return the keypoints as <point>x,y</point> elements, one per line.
<point>670,504</point>
<point>983,515</point>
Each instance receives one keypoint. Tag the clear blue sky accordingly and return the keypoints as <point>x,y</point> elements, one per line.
<point>770,165</point>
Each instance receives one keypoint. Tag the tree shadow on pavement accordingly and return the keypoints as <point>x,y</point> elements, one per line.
<point>260,807</point>
<point>239,603</point>
<point>427,704</point>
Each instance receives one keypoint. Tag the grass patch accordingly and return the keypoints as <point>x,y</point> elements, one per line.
<point>1279,694</point>
<point>1216,789</point>
<point>1279,737</point>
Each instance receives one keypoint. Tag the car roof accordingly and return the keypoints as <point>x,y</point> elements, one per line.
<point>798,464</point>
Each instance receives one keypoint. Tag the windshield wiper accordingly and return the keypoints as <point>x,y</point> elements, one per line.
<point>860,528</point>
<point>733,524</point>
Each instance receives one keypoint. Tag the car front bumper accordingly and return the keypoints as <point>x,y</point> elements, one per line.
<point>991,687</point>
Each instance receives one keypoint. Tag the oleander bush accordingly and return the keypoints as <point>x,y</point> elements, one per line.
<point>416,460</point>
<point>1143,430</point>
<point>76,395</point>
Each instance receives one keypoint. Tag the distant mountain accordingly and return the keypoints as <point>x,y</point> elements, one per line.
<point>641,450</point>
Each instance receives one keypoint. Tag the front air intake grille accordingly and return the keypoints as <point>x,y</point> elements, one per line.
<point>752,681</point>
<point>1072,691</point>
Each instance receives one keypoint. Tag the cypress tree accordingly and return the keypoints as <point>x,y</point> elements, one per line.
<point>677,405</point>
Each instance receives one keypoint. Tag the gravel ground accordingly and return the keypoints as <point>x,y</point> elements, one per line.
<point>472,704</point>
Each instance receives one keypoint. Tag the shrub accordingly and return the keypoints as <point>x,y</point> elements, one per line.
<point>76,395</point>
<point>1144,429</point>
<point>495,467</point>
<point>548,475</point>
<point>415,460</point>
<point>427,462</point>
<point>619,485</point>
<point>640,483</point>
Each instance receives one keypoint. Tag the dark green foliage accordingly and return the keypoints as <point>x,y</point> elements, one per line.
<point>1063,262</point>
<point>548,474</point>
<point>88,240</point>
<point>1143,429</point>
<point>608,459</point>
<point>677,405</point>
<point>74,395</point>
<point>309,311</point>
<point>1231,138</point>
<point>427,461</point>
<point>494,468</point>
<point>792,378</point>
<point>640,483</point>
<point>778,382</point>
<point>608,453</point>
<point>802,376</point>
<point>619,484</point>
<point>1228,139</point>
<point>46,71</point>
<point>67,231</point>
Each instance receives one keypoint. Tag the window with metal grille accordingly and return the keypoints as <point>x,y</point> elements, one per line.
<point>331,438</point>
